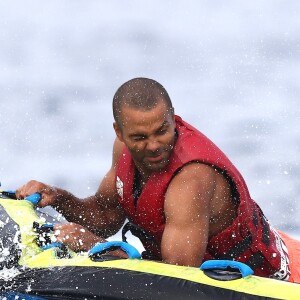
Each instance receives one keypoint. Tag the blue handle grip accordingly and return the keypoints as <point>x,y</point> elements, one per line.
<point>52,245</point>
<point>49,226</point>
<point>224,264</point>
<point>131,251</point>
<point>34,198</point>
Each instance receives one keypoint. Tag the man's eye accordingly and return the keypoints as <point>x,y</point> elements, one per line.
<point>138,138</point>
<point>162,131</point>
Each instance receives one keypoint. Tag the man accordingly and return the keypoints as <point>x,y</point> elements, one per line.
<point>181,193</point>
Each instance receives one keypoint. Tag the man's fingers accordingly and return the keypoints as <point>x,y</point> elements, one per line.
<point>20,193</point>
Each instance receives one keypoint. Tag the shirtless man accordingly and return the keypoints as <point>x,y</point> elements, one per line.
<point>174,184</point>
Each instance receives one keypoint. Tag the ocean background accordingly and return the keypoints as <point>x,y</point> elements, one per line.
<point>232,69</point>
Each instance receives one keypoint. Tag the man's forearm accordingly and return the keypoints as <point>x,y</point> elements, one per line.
<point>102,221</point>
<point>68,205</point>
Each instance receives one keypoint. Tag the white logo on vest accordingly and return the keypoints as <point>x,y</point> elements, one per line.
<point>119,186</point>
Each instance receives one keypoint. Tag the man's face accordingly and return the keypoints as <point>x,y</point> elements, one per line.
<point>148,135</point>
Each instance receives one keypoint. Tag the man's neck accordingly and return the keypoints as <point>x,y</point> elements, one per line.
<point>144,175</point>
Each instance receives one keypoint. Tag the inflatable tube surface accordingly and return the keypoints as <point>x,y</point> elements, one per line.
<point>47,274</point>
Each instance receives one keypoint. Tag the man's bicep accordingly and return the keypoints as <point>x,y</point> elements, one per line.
<point>184,245</point>
<point>187,211</point>
<point>185,236</point>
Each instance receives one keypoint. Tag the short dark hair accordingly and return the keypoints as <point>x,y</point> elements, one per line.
<point>140,93</point>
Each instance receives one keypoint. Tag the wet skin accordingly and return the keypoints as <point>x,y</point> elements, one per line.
<point>150,138</point>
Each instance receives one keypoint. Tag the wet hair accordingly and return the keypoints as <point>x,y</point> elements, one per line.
<point>140,93</point>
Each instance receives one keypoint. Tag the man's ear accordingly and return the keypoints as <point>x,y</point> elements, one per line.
<point>118,131</point>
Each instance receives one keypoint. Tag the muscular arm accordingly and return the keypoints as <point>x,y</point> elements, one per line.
<point>101,213</point>
<point>188,212</point>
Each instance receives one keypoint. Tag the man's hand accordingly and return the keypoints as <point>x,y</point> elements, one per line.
<point>76,237</point>
<point>50,195</point>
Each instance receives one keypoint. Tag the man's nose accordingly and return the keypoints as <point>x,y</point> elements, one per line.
<point>153,145</point>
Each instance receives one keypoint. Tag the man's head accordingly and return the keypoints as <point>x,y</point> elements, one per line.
<point>144,121</point>
<point>142,94</point>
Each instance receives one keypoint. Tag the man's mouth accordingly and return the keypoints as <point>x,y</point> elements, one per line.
<point>155,158</point>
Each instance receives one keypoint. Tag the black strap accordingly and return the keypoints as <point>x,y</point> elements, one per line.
<point>137,186</point>
<point>255,219</point>
<point>145,237</point>
<point>255,261</point>
<point>266,231</point>
<point>238,248</point>
<point>138,232</point>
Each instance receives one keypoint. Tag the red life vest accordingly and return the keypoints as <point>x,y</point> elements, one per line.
<point>249,239</point>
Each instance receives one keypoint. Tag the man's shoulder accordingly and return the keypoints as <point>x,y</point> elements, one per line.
<point>196,169</point>
<point>118,149</point>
